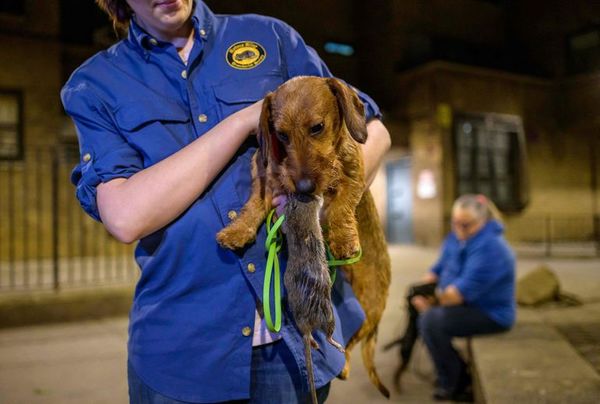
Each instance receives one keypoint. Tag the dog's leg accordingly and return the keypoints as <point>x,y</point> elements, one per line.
<point>242,230</point>
<point>342,227</point>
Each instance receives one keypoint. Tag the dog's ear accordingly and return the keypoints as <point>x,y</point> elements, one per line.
<point>265,130</point>
<point>268,143</point>
<point>351,109</point>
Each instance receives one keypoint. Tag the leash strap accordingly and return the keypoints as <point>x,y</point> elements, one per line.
<point>273,246</point>
<point>333,263</point>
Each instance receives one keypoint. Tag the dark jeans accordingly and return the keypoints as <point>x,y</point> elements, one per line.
<point>439,325</point>
<point>275,379</point>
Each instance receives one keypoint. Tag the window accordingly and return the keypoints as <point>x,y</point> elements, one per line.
<point>490,158</point>
<point>11,133</point>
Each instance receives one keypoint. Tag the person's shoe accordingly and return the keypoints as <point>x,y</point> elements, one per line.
<point>441,394</point>
<point>463,397</point>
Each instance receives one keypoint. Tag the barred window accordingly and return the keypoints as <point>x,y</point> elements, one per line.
<point>490,158</point>
<point>11,133</point>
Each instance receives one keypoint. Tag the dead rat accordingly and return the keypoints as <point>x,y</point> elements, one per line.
<point>307,278</point>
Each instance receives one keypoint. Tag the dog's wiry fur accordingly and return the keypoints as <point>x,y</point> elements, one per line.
<point>309,132</point>
<point>307,278</point>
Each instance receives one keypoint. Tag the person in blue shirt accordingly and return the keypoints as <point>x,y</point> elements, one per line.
<point>475,291</point>
<point>165,120</point>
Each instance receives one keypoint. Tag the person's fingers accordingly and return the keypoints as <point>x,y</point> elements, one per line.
<point>279,202</point>
<point>279,199</point>
<point>421,303</point>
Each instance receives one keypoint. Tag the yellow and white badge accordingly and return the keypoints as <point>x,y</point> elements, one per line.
<point>245,55</point>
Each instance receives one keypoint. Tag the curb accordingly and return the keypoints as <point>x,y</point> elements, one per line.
<point>64,306</point>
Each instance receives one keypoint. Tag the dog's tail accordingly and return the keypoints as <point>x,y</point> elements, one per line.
<point>368,354</point>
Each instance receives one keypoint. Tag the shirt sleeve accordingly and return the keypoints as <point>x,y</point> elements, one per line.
<point>482,270</point>
<point>439,265</point>
<point>104,152</point>
<point>302,60</point>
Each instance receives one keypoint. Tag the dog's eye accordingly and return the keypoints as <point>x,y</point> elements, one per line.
<point>316,129</point>
<point>282,137</point>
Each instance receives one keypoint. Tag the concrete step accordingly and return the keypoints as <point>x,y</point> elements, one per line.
<point>533,363</point>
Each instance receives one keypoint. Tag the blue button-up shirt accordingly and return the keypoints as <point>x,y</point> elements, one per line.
<point>134,105</point>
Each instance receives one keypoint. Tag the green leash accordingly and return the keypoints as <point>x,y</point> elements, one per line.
<point>332,263</point>
<point>273,246</point>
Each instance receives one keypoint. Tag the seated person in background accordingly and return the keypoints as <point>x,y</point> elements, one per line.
<point>475,278</point>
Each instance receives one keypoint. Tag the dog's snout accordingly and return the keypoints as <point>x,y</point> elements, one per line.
<point>305,186</point>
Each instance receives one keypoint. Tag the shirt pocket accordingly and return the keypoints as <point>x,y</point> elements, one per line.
<point>234,95</point>
<point>156,129</point>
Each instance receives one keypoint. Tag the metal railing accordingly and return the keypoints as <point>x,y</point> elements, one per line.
<point>46,240</point>
<point>555,235</point>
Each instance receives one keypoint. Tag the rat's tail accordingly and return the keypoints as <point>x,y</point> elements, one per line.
<point>309,367</point>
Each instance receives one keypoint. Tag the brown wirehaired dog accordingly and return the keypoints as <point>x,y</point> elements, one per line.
<point>309,133</point>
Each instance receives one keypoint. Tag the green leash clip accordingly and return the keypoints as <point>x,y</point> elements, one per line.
<point>273,271</point>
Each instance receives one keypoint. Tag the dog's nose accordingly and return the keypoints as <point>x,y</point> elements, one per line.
<point>305,186</point>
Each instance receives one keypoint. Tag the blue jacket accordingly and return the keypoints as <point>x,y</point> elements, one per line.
<point>137,103</point>
<point>483,270</point>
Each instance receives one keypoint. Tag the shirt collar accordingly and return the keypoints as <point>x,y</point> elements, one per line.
<point>203,20</point>
<point>492,227</point>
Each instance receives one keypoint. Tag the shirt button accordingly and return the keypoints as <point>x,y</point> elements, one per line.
<point>232,214</point>
<point>184,74</point>
<point>153,42</point>
<point>251,268</point>
<point>246,331</point>
<point>202,32</point>
<point>202,118</point>
<point>87,157</point>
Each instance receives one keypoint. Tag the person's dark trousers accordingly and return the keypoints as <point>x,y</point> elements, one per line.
<point>438,326</point>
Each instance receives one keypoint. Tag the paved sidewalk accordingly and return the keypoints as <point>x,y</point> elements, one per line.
<point>86,362</point>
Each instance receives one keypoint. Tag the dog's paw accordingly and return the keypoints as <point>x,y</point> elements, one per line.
<point>345,249</point>
<point>235,237</point>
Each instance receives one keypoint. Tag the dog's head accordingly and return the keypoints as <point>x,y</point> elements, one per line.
<point>303,126</point>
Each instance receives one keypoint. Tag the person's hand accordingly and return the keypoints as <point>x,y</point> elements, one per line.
<point>421,303</point>
<point>429,277</point>
<point>278,203</point>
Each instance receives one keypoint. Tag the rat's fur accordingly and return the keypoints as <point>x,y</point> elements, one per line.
<point>307,278</point>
